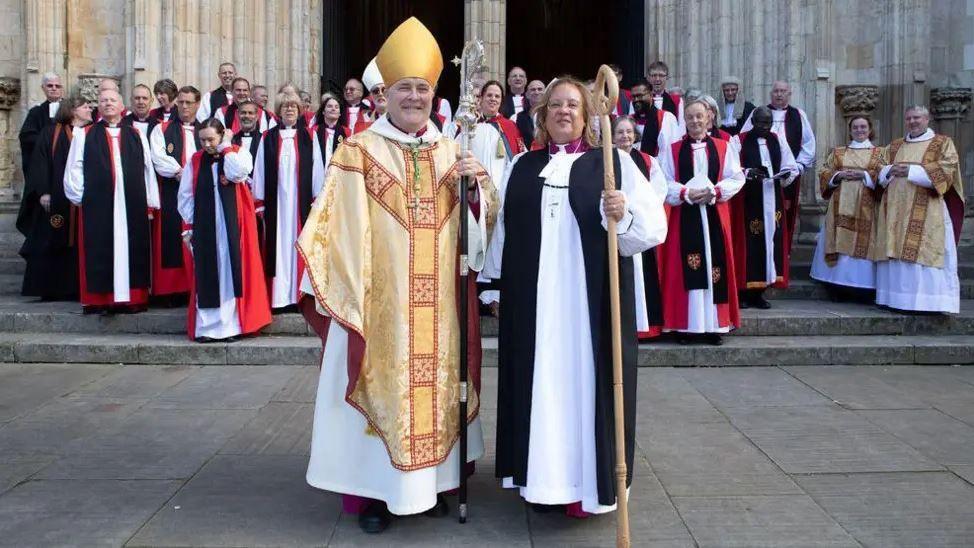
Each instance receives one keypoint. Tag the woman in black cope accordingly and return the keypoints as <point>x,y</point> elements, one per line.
<point>555,439</point>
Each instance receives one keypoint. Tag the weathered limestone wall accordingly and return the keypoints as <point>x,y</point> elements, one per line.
<point>841,57</point>
<point>140,41</point>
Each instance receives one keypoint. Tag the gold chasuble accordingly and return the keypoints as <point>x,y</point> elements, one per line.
<point>910,224</point>
<point>850,226</point>
<point>381,248</point>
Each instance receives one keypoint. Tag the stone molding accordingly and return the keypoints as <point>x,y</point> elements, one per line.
<point>88,85</point>
<point>856,99</point>
<point>947,103</point>
<point>9,92</point>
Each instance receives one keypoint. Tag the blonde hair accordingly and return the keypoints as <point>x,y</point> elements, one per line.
<point>588,110</point>
<point>287,98</point>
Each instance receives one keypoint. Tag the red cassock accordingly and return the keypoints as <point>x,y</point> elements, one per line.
<point>253,306</point>
<point>168,276</point>
<point>675,294</point>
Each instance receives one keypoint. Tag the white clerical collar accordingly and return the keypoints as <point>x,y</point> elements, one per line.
<point>861,144</point>
<point>925,136</point>
<point>384,127</point>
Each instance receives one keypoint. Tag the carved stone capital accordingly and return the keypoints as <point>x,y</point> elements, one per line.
<point>9,92</point>
<point>947,103</point>
<point>88,85</point>
<point>856,99</point>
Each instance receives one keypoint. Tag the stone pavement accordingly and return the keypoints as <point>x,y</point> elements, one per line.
<point>137,455</point>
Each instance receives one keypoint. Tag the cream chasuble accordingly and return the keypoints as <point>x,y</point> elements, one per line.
<point>381,247</point>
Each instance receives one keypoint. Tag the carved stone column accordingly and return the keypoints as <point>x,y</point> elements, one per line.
<point>10,151</point>
<point>88,85</point>
<point>855,100</point>
<point>487,20</point>
<point>949,107</point>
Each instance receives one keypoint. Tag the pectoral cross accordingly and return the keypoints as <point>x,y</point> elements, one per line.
<point>415,205</point>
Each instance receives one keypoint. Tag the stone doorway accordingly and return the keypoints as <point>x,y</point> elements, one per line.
<point>354,30</point>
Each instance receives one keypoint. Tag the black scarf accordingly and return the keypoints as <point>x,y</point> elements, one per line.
<point>218,98</point>
<point>322,131</point>
<point>205,226</point>
<point>650,141</point>
<point>172,223</point>
<point>305,160</point>
<point>793,128</point>
<point>254,135</point>
<point>654,300</point>
<point>669,105</point>
<point>756,269</point>
<point>98,209</point>
<point>695,269</point>
<point>130,119</point>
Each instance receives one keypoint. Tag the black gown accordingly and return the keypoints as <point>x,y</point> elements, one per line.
<point>50,248</point>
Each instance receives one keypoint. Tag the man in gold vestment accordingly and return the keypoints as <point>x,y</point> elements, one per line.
<point>381,248</point>
<point>919,219</point>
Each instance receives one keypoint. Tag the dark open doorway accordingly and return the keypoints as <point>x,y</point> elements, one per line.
<point>354,30</point>
<point>549,38</point>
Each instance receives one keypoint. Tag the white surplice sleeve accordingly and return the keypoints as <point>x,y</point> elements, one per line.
<point>219,116</point>
<point>203,113</point>
<point>184,197</point>
<point>164,164</point>
<point>806,156</point>
<point>74,171</point>
<point>674,188</point>
<point>495,250</point>
<point>644,223</point>
<point>237,165</point>
<point>258,178</point>
<point>317,166</point>
<point>446,111</point>
<point>732,178</point>
<point>670,132</point>
<point>149,174</point>
<point>788,162</point>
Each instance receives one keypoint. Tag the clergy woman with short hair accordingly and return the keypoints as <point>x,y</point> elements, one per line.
<point>555,439</point>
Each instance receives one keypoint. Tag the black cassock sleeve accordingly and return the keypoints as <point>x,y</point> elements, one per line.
<point>37,178</point>
<point>34,122</point>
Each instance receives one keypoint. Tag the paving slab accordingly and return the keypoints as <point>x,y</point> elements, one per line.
<point>17,468</point>
<point>925,509</point>
<point>135,382</point>
<point>272,350</point>
<point>497,518</point>
<point>79,513</point>
<point>240,500</point>
<point>243,387</point>
<point>280,428</point>
<point>942,438</point>
<point>653,521</point>
<point>48,430</point>
<point>302,387</point>
<point>822,439</point>
<point>964,471</point>
<point>23,387</point>
<point>855,387</point>
<point>751,387</point>
<point>664,395</point>
<point>710,459</point>
<point>755,521</point>
<point>150,444</point>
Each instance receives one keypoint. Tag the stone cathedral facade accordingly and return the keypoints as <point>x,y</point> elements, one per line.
<point>841,56</point>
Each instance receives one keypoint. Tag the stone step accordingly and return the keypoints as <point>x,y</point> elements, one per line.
<point>12,265</point>
<point>291,350</point>
<point>802,270</point>
<point>787,318</point>
<point>806,289</point>
<point>11,284</point>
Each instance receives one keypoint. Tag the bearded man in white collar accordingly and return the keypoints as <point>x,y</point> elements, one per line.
<point>381,250</point>
<point>919,221</point>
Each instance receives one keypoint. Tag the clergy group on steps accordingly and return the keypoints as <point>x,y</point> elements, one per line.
<point>889,235</point>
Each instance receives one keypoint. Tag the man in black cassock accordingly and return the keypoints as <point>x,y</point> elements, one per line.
<point>39,117</point>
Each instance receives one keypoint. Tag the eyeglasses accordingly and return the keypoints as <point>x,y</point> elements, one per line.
<point>53,86</point>
<point>378,90</point>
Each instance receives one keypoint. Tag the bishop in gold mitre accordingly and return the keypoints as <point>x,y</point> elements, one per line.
<point>381,249</point>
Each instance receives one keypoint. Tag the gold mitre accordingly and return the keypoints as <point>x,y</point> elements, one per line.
<point>410,52</point>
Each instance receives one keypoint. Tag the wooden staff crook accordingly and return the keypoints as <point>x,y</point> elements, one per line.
<point>606,95</point>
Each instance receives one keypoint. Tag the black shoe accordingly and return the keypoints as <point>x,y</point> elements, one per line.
<point>758,301</point>
<point>205,340</point>
<point>684,339</point>
<point>546,508</point>
<point>375,519</point>
<point>439,510</point>
<point>714,339</point>
<point>743,303</point>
